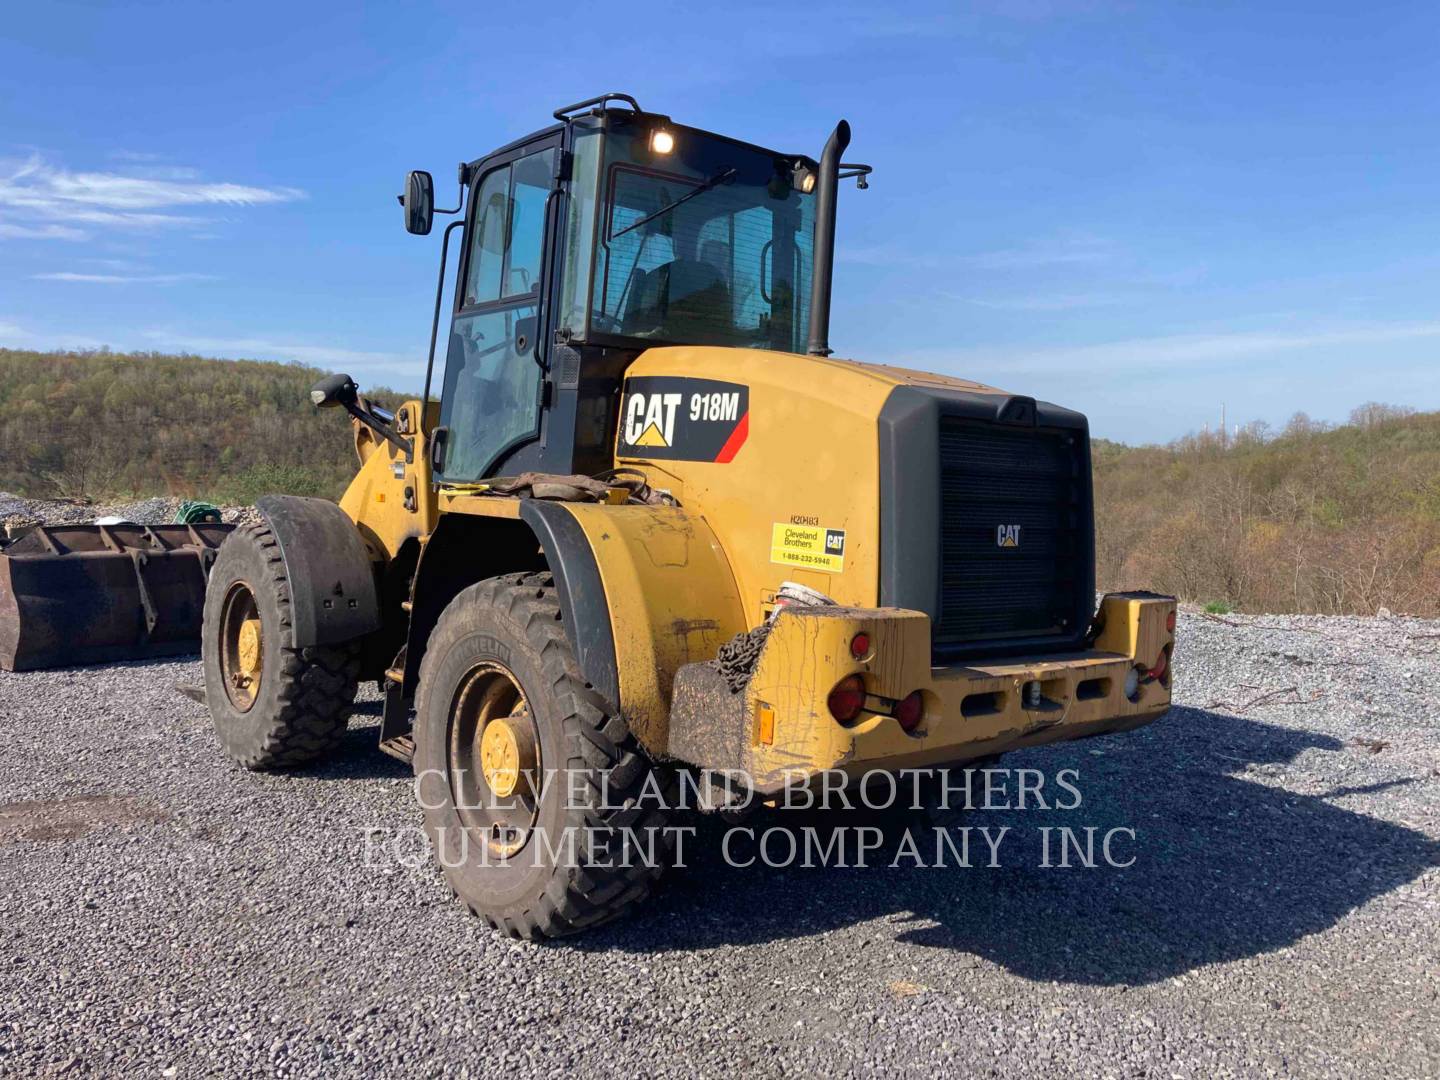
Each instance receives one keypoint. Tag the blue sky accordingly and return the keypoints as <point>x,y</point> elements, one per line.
<point>1138,210</point>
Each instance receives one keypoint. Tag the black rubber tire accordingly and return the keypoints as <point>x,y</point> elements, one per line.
<point>515,621</point>
<point>305,694</point>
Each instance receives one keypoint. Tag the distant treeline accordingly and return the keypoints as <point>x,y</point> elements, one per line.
<point>98,424</point>
<point>1313,518</point>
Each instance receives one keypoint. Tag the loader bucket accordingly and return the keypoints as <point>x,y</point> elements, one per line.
<point>90,594</point>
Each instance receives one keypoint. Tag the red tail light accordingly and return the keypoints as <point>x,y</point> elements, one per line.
<point>1158,671</point>
<point>860,646</point>
<point>847,700</point>
<point>1170,622</point>
<point>911,711</point>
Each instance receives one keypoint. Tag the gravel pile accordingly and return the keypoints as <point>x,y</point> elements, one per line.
<point>163,913</point>
<point>160,510</point>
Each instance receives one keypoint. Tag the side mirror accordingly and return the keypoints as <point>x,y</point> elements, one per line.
<point>418,202</point>
<point>334,390</point>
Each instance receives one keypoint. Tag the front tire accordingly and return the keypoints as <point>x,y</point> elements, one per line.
<point>275,706</point>
<point>554,821</point>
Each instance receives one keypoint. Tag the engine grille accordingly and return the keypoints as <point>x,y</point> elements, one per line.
<point>994,475</point>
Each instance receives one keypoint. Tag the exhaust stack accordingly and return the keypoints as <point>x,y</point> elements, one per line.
<point>827,188</point>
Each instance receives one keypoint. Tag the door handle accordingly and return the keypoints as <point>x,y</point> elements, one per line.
<point>438,439</point>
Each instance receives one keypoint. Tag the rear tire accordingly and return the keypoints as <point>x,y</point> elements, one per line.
<point>499,652</point>
<point>275,706</point>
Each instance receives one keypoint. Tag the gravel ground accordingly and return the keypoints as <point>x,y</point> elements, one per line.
<point>158,510</point>
<point>162,912</point>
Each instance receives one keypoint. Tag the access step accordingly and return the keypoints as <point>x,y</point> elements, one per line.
<point>401,747</point>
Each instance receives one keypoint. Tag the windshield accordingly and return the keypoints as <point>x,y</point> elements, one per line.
<point>709,244</point>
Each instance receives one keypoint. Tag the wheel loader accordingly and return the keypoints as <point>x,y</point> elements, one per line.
<point>653,531</point>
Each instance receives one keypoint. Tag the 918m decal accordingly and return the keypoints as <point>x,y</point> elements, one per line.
<point>665,417</point>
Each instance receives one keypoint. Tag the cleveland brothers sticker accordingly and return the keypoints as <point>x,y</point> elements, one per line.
<point>812,546</point>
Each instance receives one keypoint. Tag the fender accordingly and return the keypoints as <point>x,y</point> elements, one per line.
<point>581,592</point>
<point>665,597</point>
<point>643,590</point>
<point>332,582</point>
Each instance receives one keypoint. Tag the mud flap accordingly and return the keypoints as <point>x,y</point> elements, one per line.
<point>332,580</point>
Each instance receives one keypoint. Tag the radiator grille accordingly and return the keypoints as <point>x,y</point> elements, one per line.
<point>992,475</point>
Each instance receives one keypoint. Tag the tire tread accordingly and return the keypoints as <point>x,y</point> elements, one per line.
<point>597,740</point>
<point>317,683</point>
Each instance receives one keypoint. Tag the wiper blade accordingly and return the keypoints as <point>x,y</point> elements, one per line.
<point>714,181</point>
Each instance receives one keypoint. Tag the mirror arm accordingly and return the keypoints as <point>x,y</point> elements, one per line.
<point>464,172</point>
<point>403,445</point>
<point>459,200</point>
<point>435,323</point>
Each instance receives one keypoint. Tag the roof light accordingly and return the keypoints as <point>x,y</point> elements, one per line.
<point>661,141</point>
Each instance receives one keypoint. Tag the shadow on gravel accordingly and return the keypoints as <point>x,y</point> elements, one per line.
<point>359,756</point>
<point>1225,868</point>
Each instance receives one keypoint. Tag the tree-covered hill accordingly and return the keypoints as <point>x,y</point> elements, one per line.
<point>1314,518</point>
<point>101,424</point>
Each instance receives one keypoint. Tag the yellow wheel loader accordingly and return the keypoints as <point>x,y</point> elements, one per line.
<point>653,533</point>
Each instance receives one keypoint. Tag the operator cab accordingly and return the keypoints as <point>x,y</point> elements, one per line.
<point>610,232</point>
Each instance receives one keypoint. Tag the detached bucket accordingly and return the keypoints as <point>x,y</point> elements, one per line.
<point>90,594</point>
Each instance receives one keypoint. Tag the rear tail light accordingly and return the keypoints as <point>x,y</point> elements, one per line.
<point>1170,622</point>
<point>911,711</point>
<point>860,646</point>
<point>847,700</point>
<point>1158,671</point>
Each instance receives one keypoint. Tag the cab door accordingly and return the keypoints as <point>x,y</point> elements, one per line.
<point>492,395</point>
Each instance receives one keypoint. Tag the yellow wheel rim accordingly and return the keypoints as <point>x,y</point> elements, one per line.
<point>249,647</point>
<point>494,756</point>
<point>242,646</point>
<point>506,751</point>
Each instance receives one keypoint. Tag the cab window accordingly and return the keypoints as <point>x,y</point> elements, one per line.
<point>509,231</point>
<point>491,397</point>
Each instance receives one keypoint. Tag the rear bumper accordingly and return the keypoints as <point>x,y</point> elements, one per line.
<point>777,728</point>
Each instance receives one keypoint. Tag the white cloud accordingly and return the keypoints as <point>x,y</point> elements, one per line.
<point>117,264</point>
<point>162,172</point>
<point>122,279</point>
<point>324,356</point>
<point>405,366</point>
<point>15,336</point>
<point>1163,353</point>
<point>1055,302</point>
<point>11,231</point>
<point>36,194</point>
<point>1078,250</point>
<point>1029,258</point>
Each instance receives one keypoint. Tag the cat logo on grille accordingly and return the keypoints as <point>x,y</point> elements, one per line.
<point>1007,536</point>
